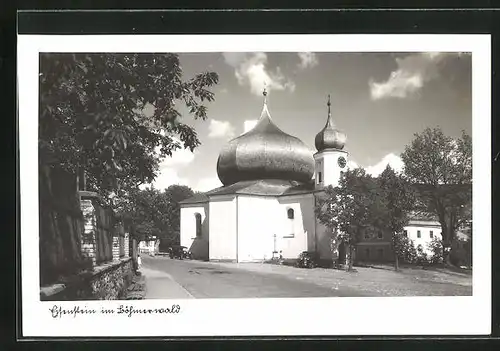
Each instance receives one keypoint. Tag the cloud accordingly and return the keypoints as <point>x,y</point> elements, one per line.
<point>220,129</point>
<point>167,177</point>
<point>249,124</point>
<point>352,165</point>
<point>307,59</point>
<point>234,59</point>
<point>180,158</point>
<point>169,169</point>
<point>207,184</point>
<point>411,75</point>
<point>251,70</point>
<point>391,159</point>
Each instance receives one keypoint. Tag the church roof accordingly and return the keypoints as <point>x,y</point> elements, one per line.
<point>270,187</point>
<point>265,152</point>
<point>330,137</point>
<point>262,187</point>
<point>196,198</point>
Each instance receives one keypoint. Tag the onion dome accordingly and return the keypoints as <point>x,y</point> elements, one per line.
<point>265,152</point>
<point>330,137</point>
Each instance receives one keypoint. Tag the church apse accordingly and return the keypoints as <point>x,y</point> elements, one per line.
<point>223,228</point>
<point>195,230</point>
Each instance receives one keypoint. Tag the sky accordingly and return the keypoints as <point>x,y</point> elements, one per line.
<point>378,99</point>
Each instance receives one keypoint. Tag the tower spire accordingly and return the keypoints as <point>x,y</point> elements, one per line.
<point>265,111</point>
<point>264,92</point>
<point>329,121</point>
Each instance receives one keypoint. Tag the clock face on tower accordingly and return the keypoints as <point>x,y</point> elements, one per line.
<point>342,162</point>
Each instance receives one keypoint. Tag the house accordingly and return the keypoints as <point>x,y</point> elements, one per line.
<point>149,246</point>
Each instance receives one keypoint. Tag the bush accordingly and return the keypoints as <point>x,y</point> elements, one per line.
<point>422,258</point>
<point>436,247</point>
<point>308,260</point>
<point>411,255</point>
<point>406,250</point>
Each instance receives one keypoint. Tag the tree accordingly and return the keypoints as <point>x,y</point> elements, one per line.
<point>351,209</point>
<point>398,199</point>
<point>171,218</point>
<point>109,114</point>
<point>138,211</point>
<point>155,213</point>
<point>441,169</point>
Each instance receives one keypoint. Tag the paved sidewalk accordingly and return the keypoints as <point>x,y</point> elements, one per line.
<point>160,285</point>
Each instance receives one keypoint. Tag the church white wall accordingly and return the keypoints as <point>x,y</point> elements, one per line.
<point>257,224</point>
<point>222,228</point>
<point>302,227</point>
<point>197,245</point>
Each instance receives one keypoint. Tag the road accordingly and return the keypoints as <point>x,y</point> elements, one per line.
<point>212,280</point>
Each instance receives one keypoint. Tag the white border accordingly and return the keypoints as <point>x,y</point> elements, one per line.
<point>240,317</point>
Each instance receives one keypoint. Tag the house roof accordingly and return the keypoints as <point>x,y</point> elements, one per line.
<point>422,216</point>
<point>424,223</point>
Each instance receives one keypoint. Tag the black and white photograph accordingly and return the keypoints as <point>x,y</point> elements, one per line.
<point>254,174</point>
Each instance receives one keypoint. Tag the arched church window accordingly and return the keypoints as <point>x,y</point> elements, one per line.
<point>290,214</point>
<point>198,224</point>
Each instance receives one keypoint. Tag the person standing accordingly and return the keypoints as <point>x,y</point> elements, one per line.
<point>139,261</point>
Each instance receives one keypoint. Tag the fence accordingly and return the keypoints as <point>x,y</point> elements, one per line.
<point>60,225</point>
<point>77,230</point>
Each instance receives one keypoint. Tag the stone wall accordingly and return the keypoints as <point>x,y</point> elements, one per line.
<point>107,281</point>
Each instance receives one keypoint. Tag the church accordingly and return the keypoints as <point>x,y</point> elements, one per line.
<point>265,208</point>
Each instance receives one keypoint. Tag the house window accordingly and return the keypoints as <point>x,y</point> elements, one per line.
<point>290,213</point>
<point>198,224</point>
<point>319,178</point>
<point>418,234</point>
<point>405,233</point>
<point>380,235</point>
<point>431,234</point>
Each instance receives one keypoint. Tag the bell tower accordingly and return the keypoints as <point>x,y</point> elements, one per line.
<point>331,159</point>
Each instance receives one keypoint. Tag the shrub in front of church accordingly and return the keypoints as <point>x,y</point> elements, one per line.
<point>308,259</point>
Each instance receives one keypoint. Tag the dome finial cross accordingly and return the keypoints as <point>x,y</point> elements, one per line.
<point>329,121</point>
